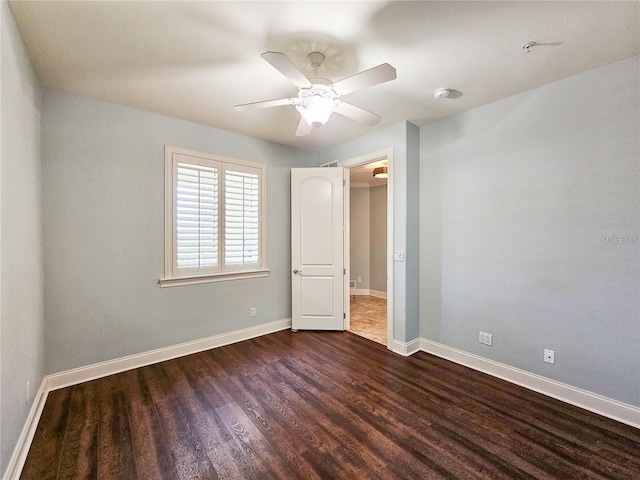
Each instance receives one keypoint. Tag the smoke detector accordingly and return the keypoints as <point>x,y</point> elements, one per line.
<point>441,93</point>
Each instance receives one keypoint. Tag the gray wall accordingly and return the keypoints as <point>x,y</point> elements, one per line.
<point>397,137</point>
<point>412,254</point>
<point>378,238</point>
<point>360,236</point>
<point>369,237</point>
<point>21,278</point>
<point>103,171</point>
<point>517,198</point>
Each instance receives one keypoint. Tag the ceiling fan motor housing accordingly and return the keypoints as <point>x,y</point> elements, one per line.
<point>315,59</point>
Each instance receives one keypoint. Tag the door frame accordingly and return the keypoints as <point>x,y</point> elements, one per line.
<point>385,153</point>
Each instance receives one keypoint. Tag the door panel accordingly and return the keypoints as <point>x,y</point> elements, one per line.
<point>317,296</point>
<point>317,248</point>
<point>316,217</point>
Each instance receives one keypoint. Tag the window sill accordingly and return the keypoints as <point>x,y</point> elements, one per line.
<point>215,277</point>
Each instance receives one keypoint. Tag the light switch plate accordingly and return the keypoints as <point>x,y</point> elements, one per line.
<point>398,256</point>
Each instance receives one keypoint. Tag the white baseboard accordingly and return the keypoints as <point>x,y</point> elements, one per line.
<point>102,369</point>
<point>110,367</point>
<point>368,291</point>
<point>593,402</point>
<point>377,293</point>
<point>359,291</point>
<point>607,407</point>
<point>405,348</point>
<point>19,455</point>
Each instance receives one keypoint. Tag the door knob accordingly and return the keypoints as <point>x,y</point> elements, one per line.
<point>296,271</point>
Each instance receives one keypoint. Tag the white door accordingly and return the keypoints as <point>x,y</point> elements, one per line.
<point>317,248</point>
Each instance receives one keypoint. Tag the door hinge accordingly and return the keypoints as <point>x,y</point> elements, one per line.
<point>344,316</point>
<point>344,271</point>
<point>344,182</point>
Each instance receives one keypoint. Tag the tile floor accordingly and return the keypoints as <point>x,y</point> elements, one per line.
<point>369,317</point>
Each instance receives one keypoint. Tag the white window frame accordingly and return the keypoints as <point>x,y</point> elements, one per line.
<point>176,277</point>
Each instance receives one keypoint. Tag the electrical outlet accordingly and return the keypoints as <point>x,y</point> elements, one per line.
<point>359,279</point>
<point>549,356</point>
<point>253,311</point>
<point>28,391</point>
<point>485,338</point>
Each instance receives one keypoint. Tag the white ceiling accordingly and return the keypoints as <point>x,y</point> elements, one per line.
<point>196,60</point>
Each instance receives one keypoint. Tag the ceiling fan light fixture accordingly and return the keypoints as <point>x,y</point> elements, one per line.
<point>318,98</point>
<point>316,112</point>
<point>380,172</point>
<point>316,104</point>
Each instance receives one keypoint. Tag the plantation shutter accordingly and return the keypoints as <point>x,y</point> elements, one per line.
<point>214,218</point>
<point>196,232</point>
<point>242,217</point>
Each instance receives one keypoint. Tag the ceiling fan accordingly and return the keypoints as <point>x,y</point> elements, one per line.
<point>318,98</point>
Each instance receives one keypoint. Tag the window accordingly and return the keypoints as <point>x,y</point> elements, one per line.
<point>214,218</point>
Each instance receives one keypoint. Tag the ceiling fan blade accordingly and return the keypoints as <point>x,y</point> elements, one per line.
<point>358,114</point>
<point>286,67</point>
<point>268,103</point>
<point>304,128</point>
<point>373,76</point>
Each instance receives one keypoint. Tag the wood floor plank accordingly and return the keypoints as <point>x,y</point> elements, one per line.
<point>227,459</point>
<point>203,373</point>
<point>319,405</point>
<point>258,402</point>
<point>314,434</point>
<point>116,458</point>
<point>186,447</point>
<point>382,417</point>
<point>44,455</point>
<point>79,456</point>
<point>337,416</point>
<point>264,460</point>
<point>153,455</point>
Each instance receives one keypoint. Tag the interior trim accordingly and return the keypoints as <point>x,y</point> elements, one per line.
<point>109,367</point>
<point>405,349</point>
<point>19,455</point>
<point>385,153</point>
<point>98,370</point>
<point>213,277</point>
<point>608,407</point>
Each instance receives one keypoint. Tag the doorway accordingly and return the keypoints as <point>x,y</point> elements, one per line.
<point>371,287</point>
<point>368,250</point>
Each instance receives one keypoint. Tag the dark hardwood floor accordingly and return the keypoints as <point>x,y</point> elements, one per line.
<point>320,405</point>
